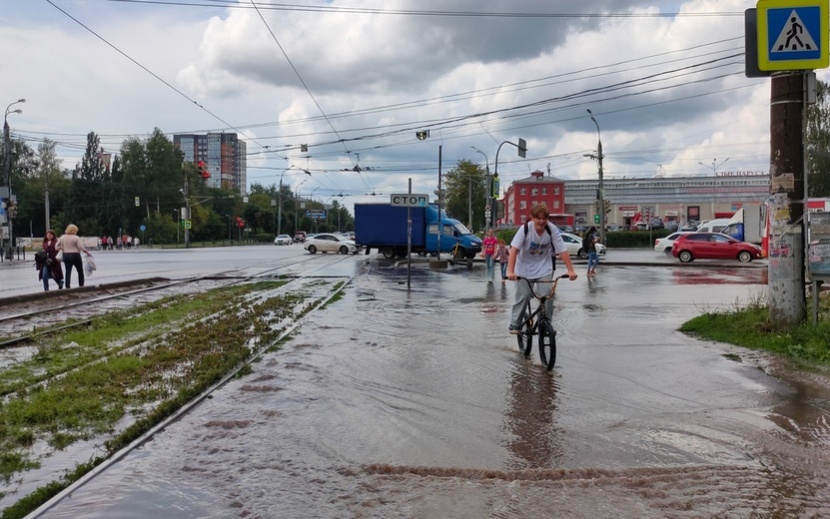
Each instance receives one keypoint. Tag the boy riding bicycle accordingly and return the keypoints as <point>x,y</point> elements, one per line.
<point>531,257</point>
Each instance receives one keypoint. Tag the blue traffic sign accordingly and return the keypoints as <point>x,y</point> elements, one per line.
<point>792,34</point>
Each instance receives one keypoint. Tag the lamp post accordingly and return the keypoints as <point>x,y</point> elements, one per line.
<point>487,190</point>
<point>296,210</point>
<point>714,167</point>
<point>279,210</point>
<point>7,162</point>
<point>601,190</point>
<point>522,145</point>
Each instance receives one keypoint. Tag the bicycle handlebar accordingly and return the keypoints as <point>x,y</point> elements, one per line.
<point>552,282</point>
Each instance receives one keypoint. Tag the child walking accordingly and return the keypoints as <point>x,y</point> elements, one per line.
<point>502,255</point>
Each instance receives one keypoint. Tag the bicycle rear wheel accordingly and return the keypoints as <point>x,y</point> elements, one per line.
<point>525,338</point>
<point>547,344</point>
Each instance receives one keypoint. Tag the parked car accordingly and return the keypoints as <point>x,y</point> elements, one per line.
<point>574,244</point>
<point>713,245</point>
<point>283,239</point>
<point>300,237</point>
<point>330,243</point>
<point>664,245</point>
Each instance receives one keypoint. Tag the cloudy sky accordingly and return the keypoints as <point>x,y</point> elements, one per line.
<point>354,80</point>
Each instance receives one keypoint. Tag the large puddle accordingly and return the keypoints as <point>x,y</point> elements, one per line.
<point>397,403</point>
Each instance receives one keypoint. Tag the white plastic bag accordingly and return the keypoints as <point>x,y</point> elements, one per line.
<point>89,266</point>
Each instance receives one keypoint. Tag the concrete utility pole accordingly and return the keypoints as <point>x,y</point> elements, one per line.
<point>185,193</point>
<point>787,294</point>
<point>601,190</point>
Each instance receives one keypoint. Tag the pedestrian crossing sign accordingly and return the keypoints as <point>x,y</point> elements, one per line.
<point>792,34</point>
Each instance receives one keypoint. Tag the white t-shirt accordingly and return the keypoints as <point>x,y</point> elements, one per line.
<point>533,260</point>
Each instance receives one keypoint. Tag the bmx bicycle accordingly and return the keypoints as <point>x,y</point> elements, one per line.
<point>537,322</point>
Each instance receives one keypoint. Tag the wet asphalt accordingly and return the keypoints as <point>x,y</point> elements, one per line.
<point>414,402</point>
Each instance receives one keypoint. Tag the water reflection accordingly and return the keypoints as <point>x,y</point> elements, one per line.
<point>533,438</point>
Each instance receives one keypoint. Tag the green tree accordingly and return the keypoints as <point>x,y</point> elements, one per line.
<point>818,142</point>
<point>465,186</point>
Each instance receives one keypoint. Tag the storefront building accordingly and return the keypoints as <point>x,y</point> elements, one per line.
<point>671,199</point>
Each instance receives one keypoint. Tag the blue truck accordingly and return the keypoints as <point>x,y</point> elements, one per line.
<point>384,227</point>
<point>747,224</point>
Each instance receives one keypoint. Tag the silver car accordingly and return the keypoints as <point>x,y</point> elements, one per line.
<point>574,244</point>
<point>330,243</point>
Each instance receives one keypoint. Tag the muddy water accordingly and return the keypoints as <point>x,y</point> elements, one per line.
<point>417,404</point>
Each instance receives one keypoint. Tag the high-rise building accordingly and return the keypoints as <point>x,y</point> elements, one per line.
<point>223,154</point>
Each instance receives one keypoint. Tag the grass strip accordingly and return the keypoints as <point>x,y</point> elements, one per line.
<point>804,345</point>
<point>150,382</point>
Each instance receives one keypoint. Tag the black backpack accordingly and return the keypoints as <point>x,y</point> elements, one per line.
<point>586,243</point>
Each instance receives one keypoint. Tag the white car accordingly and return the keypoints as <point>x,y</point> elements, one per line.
<point>283,239</point>
<point>574,244</point>
<point>664,244</point>
<point>330,243</point>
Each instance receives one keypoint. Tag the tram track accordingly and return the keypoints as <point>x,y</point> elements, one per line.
<point>319,287</point>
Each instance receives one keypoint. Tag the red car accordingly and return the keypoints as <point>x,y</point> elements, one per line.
<point>713,245</point>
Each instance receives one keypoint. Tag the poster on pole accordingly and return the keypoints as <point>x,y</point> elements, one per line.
<point>818,245</point>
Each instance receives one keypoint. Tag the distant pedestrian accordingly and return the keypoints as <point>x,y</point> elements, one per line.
<point>72,246</point>
<point>489,251</point>
<point>49,267</point>
<point>589,245</point>
<point>136,242</point>
<point>502,255</point>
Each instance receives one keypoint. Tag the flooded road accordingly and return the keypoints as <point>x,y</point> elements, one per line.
<point>396,403</point>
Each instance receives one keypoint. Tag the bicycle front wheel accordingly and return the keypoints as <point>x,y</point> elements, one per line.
<point>547,344</point>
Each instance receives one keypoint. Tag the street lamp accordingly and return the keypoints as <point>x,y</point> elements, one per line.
<point>522,145</point>
<point>279,211</point>
<point>8,168</point>
<point>601,190</point>
<point>296,210</point>
<point>487,190</point>
<point>714,167</point>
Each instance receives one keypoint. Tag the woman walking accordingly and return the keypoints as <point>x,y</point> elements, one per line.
<point>589,245</point>
<point>51,268</point>
<point>72,246</point>
<point>489,251</point>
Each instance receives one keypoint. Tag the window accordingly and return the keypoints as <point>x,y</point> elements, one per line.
<point>556,190</point>
<point>523,205</point>
<point>534,192</point>
<point>544,191</point>
<point>556,204</point>
<point>523,191</point>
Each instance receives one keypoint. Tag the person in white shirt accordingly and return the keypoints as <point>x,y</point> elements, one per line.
<point>531,257</point>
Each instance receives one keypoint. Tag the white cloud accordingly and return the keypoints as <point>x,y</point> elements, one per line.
<point>230,73</point>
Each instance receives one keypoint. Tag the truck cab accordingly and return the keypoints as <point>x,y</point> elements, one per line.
<point>453,232</point>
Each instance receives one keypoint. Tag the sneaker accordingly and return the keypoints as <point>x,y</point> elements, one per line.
<point>515,330</point>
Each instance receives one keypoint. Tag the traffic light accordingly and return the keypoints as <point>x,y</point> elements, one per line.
<point>596,218</point>
<point>607,206</point>
<point>11,209</point>
<point>494,191</point>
